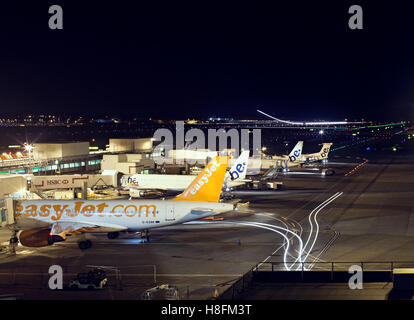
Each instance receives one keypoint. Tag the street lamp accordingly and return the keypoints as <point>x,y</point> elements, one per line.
<point>29,149</point>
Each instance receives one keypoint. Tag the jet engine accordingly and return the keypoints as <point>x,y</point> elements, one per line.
<point>35,238</point>
<point>148,194</point>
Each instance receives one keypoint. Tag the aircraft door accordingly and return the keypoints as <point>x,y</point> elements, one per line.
<point>170,214</point>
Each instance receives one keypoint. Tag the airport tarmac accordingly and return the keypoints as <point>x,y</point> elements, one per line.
<point>362,213</point>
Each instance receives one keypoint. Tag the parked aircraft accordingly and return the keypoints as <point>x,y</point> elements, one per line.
<point>45,222</point>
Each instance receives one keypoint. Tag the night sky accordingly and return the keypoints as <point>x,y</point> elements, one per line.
<point>182,59</point>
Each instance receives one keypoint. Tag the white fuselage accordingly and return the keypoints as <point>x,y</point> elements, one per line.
<point>164,182</point>
<point>311,157</point>
<point>133,215</point>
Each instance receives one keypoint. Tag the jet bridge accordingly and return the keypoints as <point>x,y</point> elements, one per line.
<point>6,212</point>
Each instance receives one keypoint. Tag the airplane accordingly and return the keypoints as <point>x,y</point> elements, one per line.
<point>281,163</point>
<point>45,222</point>
<point>284,162</point>
<point>318,156</point>
<point>293,155</point>
<point>158,185</point>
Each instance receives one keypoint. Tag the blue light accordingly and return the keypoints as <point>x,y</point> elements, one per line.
<point>368,148</point>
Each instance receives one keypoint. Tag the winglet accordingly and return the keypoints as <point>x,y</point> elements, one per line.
<point>296,151</point>
<point>207,185</point>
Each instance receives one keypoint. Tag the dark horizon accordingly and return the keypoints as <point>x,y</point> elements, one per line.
<point>200,60</point>
<point>222,116</point>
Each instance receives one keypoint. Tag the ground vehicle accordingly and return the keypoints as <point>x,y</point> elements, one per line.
<point>161,292</point>
<point>95,279</point>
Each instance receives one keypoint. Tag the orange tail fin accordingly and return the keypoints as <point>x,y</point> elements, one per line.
<point>207,186</point>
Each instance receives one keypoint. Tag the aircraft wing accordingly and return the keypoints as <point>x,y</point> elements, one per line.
<point>203,211</point>
<point>237,183</point>
<point>146,188</point>
<point>63,228</point>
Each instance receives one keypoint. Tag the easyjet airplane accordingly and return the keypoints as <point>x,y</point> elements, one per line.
<point>45,222</point>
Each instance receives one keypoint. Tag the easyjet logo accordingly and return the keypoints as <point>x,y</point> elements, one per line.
<point>57,211</point>
<point>205,177</point>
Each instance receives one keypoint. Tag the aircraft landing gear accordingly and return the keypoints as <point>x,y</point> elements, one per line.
<point>145,235</point>
<point>86,244</point>
<point>113,235</point>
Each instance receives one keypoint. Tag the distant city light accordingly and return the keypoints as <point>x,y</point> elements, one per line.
<point>315,123</point>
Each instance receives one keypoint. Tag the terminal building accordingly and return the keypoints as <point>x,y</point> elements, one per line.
<point>73,166</point>
<point>54,158</point>
<point>77,157</point>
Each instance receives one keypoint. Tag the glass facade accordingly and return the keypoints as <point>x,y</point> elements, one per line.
<point>54,167</point>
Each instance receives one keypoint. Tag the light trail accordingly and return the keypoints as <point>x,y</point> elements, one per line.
<point>315,258</point>
<point>272,228</point>
<point>295,235</point>
<point>315,213</point>
<point>252,224</point>
<point>310,221</point>
<point>285,224</point>
<point>327,246</point>
<point>317,225</point>
<point>316,123</point>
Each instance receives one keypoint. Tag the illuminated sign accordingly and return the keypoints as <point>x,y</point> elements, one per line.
<point>58,211</point>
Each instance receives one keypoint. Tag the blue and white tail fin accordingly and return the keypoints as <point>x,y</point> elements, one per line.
<point>296,152</point>
<point>239,168</point>
<point>323,154</point>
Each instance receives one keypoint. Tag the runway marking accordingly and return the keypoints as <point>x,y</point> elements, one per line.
<point>24,252</point>
<point>356,168</point>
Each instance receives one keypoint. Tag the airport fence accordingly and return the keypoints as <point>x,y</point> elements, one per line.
<point>238,287</point>
<point>337,271</point>
<point>128,282</point>
<point>37,276</point>
<point>332,266</point>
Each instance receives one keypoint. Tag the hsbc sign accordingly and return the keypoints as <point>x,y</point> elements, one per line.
<point>56,182</point>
